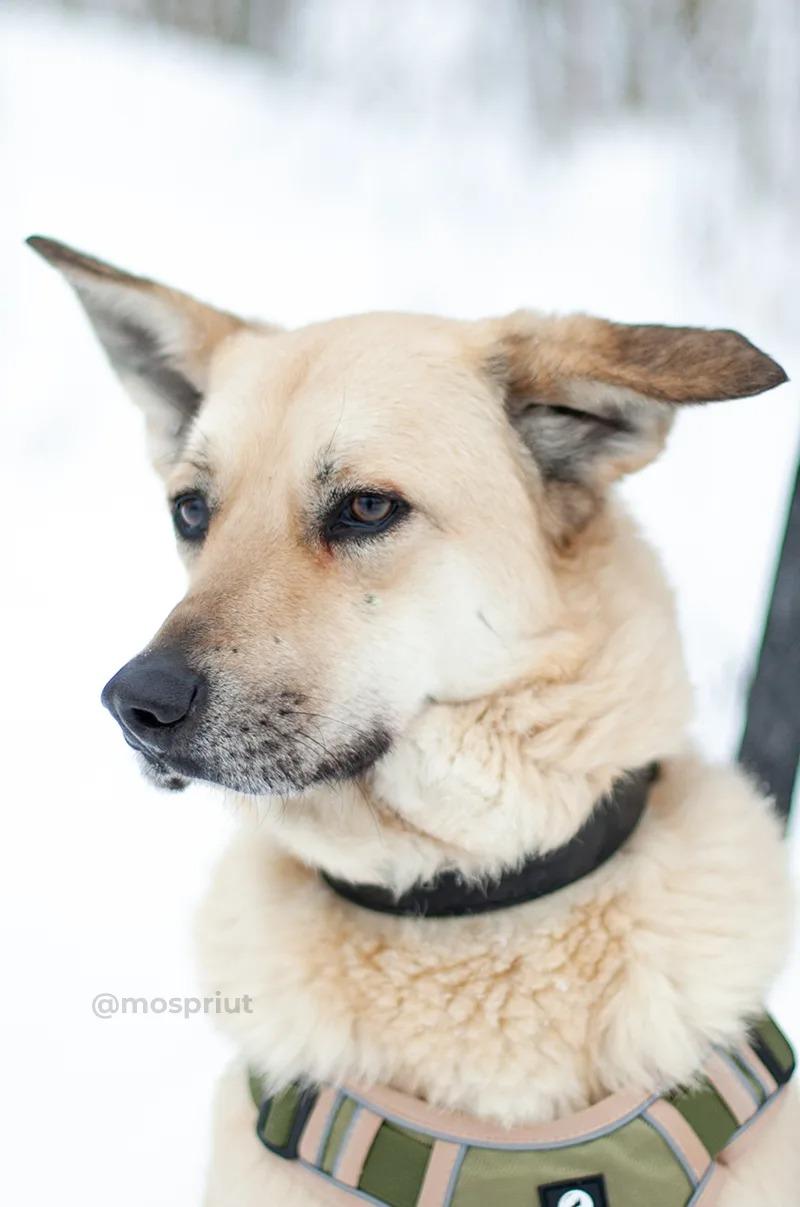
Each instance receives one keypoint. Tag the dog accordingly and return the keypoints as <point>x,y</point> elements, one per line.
<point>422,644</point>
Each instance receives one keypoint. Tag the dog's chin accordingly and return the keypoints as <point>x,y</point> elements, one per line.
<point>160,775</point>
<point>291,775</point>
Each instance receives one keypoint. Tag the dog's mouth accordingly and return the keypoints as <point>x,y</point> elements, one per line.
<point>162,777</point>
<point>281,768</point>
<point>157,770</point>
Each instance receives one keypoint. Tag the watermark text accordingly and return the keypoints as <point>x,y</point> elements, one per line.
<point>108,1005</point>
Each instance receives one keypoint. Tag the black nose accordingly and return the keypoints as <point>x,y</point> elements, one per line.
<point>152,696</point>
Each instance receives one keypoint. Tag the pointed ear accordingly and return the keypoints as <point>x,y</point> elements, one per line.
<point>593,400</point>
<point>160,341</point>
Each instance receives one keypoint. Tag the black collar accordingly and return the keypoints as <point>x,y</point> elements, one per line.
<point>613,820</point>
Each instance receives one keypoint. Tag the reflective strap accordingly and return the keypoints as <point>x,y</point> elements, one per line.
<point>440,1175</point>
<point>312,1142</point>
<point>759,1070</point>
<point>417,1116</point>
<point>709,1190</point>
<point>731,1088</point>
<point>354,1150</point>
<point>682,1139</point>
<point>749,1133</point>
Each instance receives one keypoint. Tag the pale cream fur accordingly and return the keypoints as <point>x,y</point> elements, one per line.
<point>519,640</point>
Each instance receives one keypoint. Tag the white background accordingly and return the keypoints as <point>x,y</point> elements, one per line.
<point>288,196</point>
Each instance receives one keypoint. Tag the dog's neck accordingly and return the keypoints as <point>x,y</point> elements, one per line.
<point>611,824</point>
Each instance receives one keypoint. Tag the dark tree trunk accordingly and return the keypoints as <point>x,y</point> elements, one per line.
<point>771,741</point>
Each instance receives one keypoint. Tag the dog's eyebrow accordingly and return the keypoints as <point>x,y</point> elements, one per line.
<point>325,468</point>
<point>198,462</point>
<point>194,458</point>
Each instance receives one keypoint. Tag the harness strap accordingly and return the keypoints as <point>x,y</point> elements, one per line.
<point>378,1146</point>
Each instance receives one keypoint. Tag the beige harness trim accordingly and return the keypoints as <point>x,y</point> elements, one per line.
<point>757,1068</point>
<point>466,1129</point>
<point>730,1088</point>
<point>442,1166</point>
<point>316,1130</point>
<point>356,1145</point>
<point>672,1124</point>
<point>710,1190</point>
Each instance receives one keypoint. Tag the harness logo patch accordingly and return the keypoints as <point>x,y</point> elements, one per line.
<point>582,1192</point>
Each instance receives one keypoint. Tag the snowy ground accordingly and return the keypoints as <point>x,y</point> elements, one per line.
<point>279,197</point>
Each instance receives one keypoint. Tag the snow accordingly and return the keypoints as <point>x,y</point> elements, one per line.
<point>285,194</point>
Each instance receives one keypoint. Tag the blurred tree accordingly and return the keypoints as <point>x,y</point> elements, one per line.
<point>568,61</point>
<point>771,740</point>
<point>255,23</point>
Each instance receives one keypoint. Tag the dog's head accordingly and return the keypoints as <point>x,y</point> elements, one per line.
<point>370,511</point>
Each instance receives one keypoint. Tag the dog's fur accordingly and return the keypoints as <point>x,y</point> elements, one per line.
<point>455,694</point>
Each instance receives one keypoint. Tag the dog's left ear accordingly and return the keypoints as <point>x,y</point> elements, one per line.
<point>593,400</point>
<point>159,340</point>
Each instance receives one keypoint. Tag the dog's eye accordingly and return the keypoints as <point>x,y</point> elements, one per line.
<point>190,515</point>
<point>364,514</point>
<point>370,509</point>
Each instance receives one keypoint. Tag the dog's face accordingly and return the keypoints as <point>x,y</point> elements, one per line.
<point>336,572</point>
<point>369,511</point>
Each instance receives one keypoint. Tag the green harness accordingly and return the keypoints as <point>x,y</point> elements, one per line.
<point>375,1145</point>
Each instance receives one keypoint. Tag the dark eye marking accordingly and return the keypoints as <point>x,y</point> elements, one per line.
<point>191,515</point>
<point>364,514</point>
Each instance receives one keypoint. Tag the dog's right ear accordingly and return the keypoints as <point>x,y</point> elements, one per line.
<point>160,341</point>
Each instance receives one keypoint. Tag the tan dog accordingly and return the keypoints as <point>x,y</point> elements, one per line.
<point>421,634</point>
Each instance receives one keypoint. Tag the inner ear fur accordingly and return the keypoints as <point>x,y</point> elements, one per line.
<point>593,400</point>
<point>159,340</point>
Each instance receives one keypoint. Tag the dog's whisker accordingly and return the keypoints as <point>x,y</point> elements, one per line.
<point>376,821</point>
<point>324,717</point>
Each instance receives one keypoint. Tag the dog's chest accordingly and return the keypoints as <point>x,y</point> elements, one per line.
<point>499,1014</point>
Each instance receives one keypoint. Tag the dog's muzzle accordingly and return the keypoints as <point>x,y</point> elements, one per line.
<point>187,724</point>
